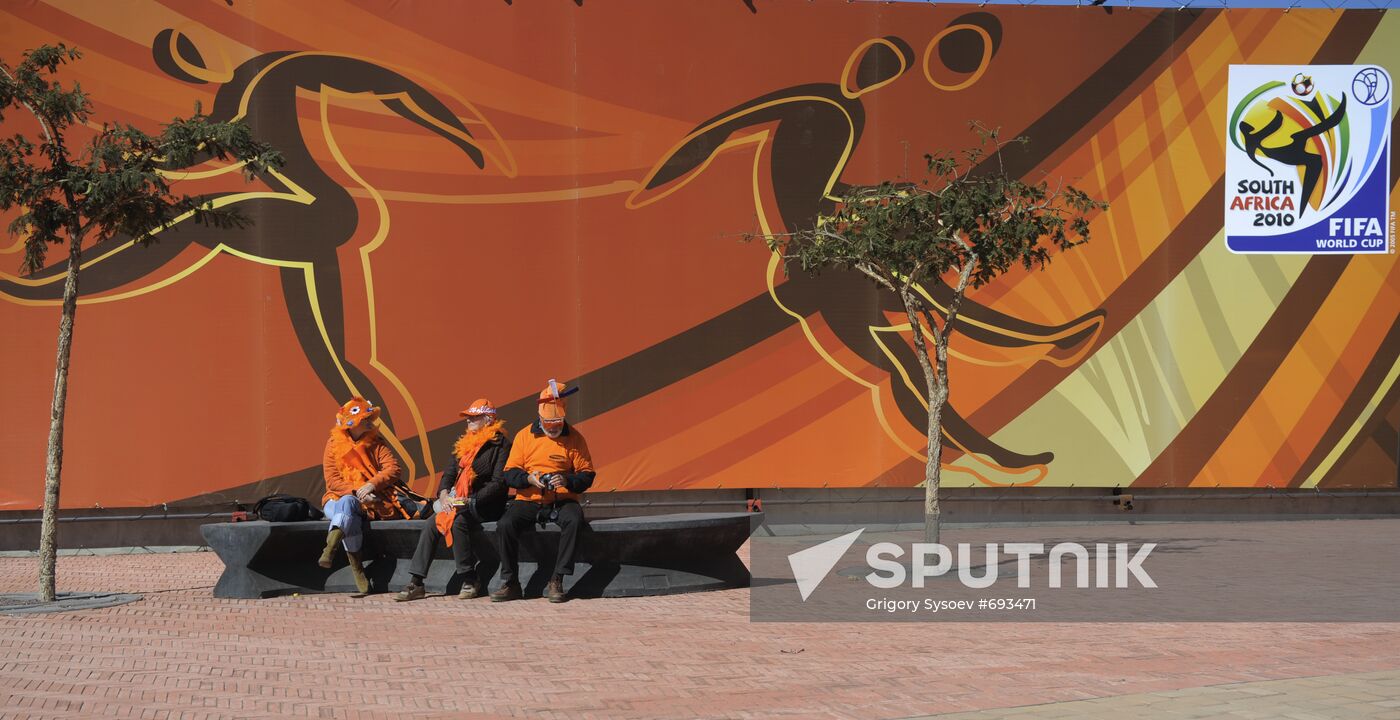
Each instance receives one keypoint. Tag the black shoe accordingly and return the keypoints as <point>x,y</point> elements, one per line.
<point>509,591</point>
<point>554,591</point>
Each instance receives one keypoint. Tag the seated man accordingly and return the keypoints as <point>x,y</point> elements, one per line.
<point>472,491</point>
<point>360,473</point>
<point>549,467</point>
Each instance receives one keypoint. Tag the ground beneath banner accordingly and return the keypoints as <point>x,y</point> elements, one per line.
<point>179,652</point>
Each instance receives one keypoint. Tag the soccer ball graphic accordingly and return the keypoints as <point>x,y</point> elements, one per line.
<point>1302,84</point>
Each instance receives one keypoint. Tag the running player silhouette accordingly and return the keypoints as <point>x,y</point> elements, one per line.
<point>301,223</point>
<point>811,132</point>
<point>1295,153</point>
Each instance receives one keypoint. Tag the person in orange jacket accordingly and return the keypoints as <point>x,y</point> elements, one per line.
<point>472,491</point>
<point>360,473</point>
<point>549,468</point>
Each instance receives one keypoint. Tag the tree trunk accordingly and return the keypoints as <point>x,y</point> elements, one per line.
<point>933,519</point>
<point>936,378</point>
<point>936,393</point>
<point>937,397</point>
<point>48,533</point>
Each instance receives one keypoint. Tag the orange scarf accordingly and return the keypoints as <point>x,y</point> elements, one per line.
<point>352,456</point>
<point>354,461</point>
<point>466,449</point>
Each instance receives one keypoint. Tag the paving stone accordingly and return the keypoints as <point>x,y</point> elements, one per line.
<point>1327,697</point>
<point>183,652</point>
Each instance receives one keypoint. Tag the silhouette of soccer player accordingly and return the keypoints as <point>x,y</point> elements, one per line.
<point>811,132</point>
<point>1295,153</point>
<point>298,226</point>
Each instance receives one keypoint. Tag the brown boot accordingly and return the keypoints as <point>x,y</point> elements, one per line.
<point>554,591</point>
<point>411,591</point>
<point>357,570</point>
<point>509,591</point>
<point>333,539</point>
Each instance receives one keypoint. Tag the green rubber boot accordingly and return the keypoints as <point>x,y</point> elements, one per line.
<point>357,569</point>
<point>333,539</point>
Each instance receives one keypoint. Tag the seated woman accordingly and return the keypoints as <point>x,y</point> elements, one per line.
<point>472,491</point>
<point>360,474</point>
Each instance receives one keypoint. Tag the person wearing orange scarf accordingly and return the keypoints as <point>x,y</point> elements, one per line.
<point>360,473</point>
<point>472,491</point>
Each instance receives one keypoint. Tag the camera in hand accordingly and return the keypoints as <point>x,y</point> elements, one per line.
<point>548,513</point>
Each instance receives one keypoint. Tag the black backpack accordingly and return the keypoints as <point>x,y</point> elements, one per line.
<point>280,507</point>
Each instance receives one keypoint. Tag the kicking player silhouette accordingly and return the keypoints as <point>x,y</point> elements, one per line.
<point>1295,153</point>
<point>810,133</point>
<point>300,223</point>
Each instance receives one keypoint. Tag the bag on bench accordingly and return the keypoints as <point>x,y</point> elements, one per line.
<point>280,507</point>
<point>415,506</point>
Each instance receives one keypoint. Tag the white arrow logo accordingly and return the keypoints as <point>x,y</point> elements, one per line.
<point>810,566</point>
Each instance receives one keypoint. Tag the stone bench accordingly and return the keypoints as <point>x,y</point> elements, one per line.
<point>616,557</point>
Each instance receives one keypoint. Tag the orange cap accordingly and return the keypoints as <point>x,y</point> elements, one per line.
<point>479,406</point>
<point>552,403</point>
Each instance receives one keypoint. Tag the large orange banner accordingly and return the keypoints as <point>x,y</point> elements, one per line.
<point>479,197</point>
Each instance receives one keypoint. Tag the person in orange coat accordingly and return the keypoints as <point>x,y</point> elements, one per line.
<point>360,473</point>
<point>550,468</point>
<point>472,491</point>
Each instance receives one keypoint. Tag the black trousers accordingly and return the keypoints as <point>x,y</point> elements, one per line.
<point>462,527</point>
<point>520,519</point>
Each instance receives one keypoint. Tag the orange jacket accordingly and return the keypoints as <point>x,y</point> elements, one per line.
<point>534,452</point>
<point>347,467</point>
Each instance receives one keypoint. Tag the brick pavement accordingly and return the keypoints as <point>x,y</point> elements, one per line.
<point>180,653</point>
<point>1363,696</point>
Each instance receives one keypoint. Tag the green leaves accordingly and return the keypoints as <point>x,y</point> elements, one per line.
<point>30,85</point>
<point>112,183</point>
<point>967,209</point>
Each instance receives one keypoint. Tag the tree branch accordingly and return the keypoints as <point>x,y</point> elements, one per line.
<point>872,274</point>
<point>920,347</point>
<point>927,314</point>
<point>958,293</point>
<point>43,122</point>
